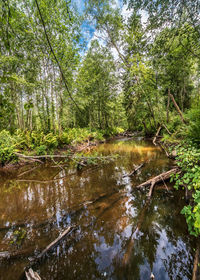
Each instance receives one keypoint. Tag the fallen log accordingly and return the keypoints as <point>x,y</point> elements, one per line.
<point>42,157</point>
<point>32,275</point>
<point>135,170</point>
<point>159,178</point>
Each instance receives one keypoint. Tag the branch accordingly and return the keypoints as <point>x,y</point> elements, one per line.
<point>161,177</point>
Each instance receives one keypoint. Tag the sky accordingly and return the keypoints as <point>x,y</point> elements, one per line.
<point>89,31</point>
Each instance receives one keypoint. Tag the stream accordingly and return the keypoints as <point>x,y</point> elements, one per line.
<point>36,206</point>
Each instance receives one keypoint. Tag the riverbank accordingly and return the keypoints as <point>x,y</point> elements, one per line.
<point>28,147</point>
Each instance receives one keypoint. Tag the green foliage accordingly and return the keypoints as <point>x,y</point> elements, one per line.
<point>41,150</point>
<point>7,148</point>
<point>192,214</point>
<point>39,143</point>
<point>188,159</point>
<point>78,135</point>
<point>194,125</point>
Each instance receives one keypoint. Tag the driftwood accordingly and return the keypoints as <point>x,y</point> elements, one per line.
<point>135,170</point>
<point>160,178</point>
<point>196,262</point>
<point>32,275</point>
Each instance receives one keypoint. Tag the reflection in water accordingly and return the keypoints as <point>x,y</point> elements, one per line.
<point>45,201</point>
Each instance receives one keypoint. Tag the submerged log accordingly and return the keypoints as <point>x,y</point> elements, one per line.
<point>151,190</point>
<point>135,170</point>
<point>27,171</point>
<point>159,178</point>
<point>69,230</point>
<point>32,275</point>
<point>6,255</point>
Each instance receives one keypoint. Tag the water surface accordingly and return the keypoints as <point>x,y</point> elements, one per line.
<point>38,205</point>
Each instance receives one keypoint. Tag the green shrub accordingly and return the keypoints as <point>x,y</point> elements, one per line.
<point>7,148</point>
<point>194,125</point>
<point>50,140</point>
<point>192,214</point>
<point>188,159</point>
<point>41,150</point>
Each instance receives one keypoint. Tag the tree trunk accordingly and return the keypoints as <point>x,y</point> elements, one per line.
<point>177,107</point>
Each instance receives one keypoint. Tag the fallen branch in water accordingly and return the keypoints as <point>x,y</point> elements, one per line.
<point>159,178</point>
<point>25,172</point>
<point>15,255</point>
<point>69,230</point>
<point>5,255</point>
<point>45,181</point>
<point>135,170</point>
<point>32,275</point>
<point>42,157</point>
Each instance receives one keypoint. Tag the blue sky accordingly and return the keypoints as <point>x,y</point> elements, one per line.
<point>88,29</point>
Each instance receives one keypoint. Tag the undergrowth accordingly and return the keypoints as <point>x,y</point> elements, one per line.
<point>39,143</point>
<point>188,159</point>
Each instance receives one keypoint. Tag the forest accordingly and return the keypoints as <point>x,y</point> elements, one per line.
<point>71,73</point>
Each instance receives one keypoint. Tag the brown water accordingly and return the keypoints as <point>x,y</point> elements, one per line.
<point>37,206</point>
